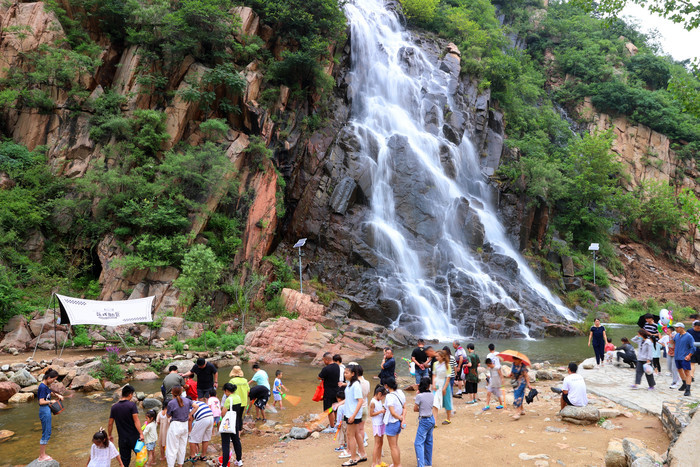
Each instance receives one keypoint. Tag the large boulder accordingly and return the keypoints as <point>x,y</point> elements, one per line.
<point>49,463</point>
<point>17,339</point>
<point>580,415</point>
<point>17,321</point>
<point>145,376</point>
<point>7,390</point>
<point>80,381</point>
<point>615,455</point>
<point>5,435</point>
<point>21,398</point>
<point>299,433</point>
<point>23,378</point>
<point>152,403</point>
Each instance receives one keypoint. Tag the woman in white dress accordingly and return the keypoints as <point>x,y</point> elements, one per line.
<point>441,381</point>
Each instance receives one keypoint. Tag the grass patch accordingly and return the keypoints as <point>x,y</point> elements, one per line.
<point>629,312</point>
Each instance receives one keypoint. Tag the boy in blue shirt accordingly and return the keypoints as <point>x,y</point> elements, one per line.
<point>276,389</point>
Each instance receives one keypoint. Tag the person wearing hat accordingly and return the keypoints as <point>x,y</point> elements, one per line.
<point>695,359</point>
<point>685,347</point>
<point>242,386</point>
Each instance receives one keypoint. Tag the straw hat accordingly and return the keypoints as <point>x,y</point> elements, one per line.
<point>236,371</point>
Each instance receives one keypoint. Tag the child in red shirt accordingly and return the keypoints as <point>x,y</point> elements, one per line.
<point>609,351</point>
<point>191,388</point>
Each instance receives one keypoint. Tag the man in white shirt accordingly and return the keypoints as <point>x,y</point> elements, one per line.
<point>461,359</point>
<point>573,390</point>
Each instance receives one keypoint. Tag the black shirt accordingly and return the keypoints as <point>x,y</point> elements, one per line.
<point>695,334</point>
<point>123,414</point>
<point>419,354</point>
<point>330,374</point>
<point>388,370</point>
<point>205,375</point>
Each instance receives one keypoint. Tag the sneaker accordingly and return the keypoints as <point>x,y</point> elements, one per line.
<point>499,407</point>
<point>344,455</point>
<point>340,448</point>
<point>634,386</point>
<point>673,386</point>
<point>651,388</point>
<point>486,408</point>
<point>683,387</point>
<point>365,443</point>
<point>687,392</point>
<point>239,463</point>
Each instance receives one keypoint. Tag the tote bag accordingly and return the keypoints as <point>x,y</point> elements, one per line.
<point>228,422</point>
<point>318,395</point>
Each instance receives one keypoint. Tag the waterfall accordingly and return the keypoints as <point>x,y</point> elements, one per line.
<point>428,196</point>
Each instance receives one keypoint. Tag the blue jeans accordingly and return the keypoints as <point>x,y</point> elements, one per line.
<point>45,417</point>
<point>424,441</point>
<point>421,374</point>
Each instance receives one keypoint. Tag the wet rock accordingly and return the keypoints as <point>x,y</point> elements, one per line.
<point>21,398</point>
<point>145,376</point>
<point>562,330</point>
<point>5,435</point>
<point>7,390</point>
<point>299,433</point>
<point>580,415</point>
<point>150,403</point>
<point>343,195</point>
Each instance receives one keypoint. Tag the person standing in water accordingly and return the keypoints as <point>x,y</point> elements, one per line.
<point>598,338</point>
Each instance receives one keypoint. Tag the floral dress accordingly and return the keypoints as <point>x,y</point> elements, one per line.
<point>519,374</point>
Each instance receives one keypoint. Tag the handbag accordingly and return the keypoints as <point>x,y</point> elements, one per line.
<point>56,407</point>
<point>318,395</point>
<point>514,383</point>
<point>228,422</point>
<point>531,395</point>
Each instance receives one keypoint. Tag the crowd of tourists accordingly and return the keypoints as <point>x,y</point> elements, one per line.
<point>673,343</point>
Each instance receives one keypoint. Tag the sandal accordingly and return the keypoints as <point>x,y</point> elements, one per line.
<point>364,459</point>
<point>446,422</point>
<point>350,462</point>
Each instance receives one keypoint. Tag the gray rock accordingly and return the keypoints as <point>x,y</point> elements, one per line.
<point>23,378</point>
<point>38,463</point>
<point>615,455</point>
<point>343,195</point>
<point>635,449</point>
<point>5,367</point>
<point>141,395</point>
<point>149,403</point>
<point>585,415</point>
<point>299,433</point>
<point>544,374</point>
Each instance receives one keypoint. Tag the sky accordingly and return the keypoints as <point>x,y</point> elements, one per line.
<point>675,40</point>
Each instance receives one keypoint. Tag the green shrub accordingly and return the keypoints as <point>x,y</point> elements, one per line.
<point>200,273</point>
<point>420,11</point>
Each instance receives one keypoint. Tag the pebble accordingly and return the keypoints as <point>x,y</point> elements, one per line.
<point>554,429</point>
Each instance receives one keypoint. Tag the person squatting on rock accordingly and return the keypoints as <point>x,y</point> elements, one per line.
<point>626,353</point>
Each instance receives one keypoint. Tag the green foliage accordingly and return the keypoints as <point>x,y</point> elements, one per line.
<point>214,129</point>
<point>158,365</point>
<point>219,340</point>
<point>110,368</point>
<point>601,275</point>
<point>420,11</point>
<point>81,338</point>
<point>258,152</point>
<point>678,11</point>
<point>630,311</point>
<point>10,296</point>
<point>200,273</point>
<point>275,306</point>
<point>652,69</point>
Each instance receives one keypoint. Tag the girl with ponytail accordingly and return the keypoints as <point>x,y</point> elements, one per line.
<point>102,451</point>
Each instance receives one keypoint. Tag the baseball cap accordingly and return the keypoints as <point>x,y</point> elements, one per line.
<point>696,322</point>
<point>679,325</point>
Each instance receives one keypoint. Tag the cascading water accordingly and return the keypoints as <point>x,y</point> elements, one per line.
<point>424,188</point>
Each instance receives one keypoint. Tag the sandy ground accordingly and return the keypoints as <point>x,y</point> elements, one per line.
<point>490,438</point>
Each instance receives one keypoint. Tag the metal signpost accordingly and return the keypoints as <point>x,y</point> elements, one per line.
<point>594,247</point>
<point>300,243</point>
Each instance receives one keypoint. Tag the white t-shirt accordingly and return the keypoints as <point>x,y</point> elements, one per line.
<point>495,359</point>
<point>397,400</point>
<point>342,372</point>
<point>376,407</point>
<point>353,397</point>
<point>463,353</point>
<point>364,384</point>
<point>102,457</point>
<point>576,386</point>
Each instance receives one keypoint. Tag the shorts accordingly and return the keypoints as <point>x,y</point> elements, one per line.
<point>695,358</point>
<point>420,374</point>
<point>204,393</point>
<point>683,365</point>
<point>356,421</point>
<point>151,446</point>
<point>201,430</point>
<point>566,399</point>
<point>459,376</point>
<point>393,429</point>
<point>277,397</point>
<point>329,399</point>
<point>470,388</point>
<point>496,391</point>
<point>261,395</point>
<point>379,430</point>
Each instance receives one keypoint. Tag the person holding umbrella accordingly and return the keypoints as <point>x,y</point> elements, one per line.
<point>519,379</point>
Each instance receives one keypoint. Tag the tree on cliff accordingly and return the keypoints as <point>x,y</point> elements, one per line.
<point>684,12</point>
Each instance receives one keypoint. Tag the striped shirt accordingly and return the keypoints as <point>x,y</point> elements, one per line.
<point>203,411</point>
<point>453,365</point>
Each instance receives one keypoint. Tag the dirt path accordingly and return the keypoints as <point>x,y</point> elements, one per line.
<point>491,439</point>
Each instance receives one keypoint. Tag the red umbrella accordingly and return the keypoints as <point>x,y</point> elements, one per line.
<point>508,356</point>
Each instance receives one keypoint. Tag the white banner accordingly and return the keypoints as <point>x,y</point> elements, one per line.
<point>81,311</point>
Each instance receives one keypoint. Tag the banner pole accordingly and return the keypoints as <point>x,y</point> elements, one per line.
<point>42,328</point>
<point>55,325</point>
<point>64,342</point>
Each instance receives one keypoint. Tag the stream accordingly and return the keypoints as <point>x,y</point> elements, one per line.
<point>84,414</point>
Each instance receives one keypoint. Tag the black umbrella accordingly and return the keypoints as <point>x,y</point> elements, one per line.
<point>642,320</point>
